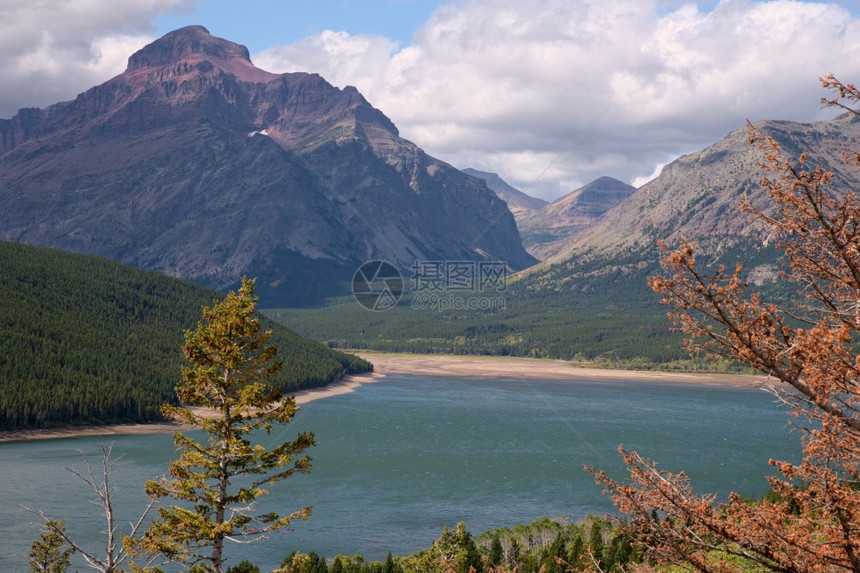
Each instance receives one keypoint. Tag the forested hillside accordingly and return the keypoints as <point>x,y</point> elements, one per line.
<point>87,341</point>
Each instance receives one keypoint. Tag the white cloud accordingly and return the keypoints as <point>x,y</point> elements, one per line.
<point>340,58</point>
<point>51,50</point>
<point>552,94</point>
<point>643,179</point>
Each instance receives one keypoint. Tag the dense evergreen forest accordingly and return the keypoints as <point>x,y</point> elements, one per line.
<point>84,340</point>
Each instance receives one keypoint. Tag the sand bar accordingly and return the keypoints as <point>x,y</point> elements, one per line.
<point>425,365</point>
<point>533,368</point>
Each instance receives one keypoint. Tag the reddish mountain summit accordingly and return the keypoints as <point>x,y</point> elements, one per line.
<point>195,163</point>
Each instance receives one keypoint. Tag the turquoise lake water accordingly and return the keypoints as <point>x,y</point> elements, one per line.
<point>399,459</point>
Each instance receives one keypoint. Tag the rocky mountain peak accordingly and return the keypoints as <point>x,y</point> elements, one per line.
<point>197,164</point>
<point>548,229</point>
<point>592,200</point>
<point>190,42</point>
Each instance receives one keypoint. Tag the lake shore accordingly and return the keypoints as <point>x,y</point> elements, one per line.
<point>534,368</point>
<point>424,365</point>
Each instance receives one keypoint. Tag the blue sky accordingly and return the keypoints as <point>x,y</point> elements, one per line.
<point>284,22</point>
<point>550,94</point>
<point>288,21</point>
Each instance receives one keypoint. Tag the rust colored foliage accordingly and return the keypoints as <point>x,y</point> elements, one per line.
<point>812,523</point>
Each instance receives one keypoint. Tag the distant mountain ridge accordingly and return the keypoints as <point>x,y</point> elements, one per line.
<point>547,230</point>
<point>547,227</point>
<point>517,201</point>
<point>197,164</point>
<point>697,197</point>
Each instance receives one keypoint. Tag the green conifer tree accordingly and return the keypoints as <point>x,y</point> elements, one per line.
<point>50,553</point>
<point>390,566</point>
<point>316,563</point>
<point>244,567</point>
<point>226,393</point>
<point>596,544</point>
<point>552,553</point>
<point>496,553</point>
<point>575,551</point>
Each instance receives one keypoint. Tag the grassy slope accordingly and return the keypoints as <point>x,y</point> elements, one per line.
<point>87,341</point>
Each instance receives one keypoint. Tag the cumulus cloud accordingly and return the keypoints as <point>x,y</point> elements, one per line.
<point>554,93</point>
<point>341,58</point>
<point>51,50</point>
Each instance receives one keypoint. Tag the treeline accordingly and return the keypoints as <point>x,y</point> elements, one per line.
<point>557,546</point>
<point>551,545</point>
<point>84,340</point>
<point>613,318</point>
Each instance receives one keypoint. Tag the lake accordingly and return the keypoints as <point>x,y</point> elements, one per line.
<point>399,459</point>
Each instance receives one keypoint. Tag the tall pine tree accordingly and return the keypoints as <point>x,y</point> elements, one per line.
<point>225,392</point>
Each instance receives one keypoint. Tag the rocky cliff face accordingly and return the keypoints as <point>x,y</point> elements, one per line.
<point>195,163</point>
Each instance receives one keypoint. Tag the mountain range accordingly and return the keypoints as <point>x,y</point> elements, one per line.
<point>590,300</point>
<point>197,164</point>
<point>697,198</point>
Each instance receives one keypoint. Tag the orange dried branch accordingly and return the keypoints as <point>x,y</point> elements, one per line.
<point>813,522</point>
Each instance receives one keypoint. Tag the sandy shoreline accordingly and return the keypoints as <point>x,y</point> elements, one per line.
<point>534,368</point>
<point>427,365</point>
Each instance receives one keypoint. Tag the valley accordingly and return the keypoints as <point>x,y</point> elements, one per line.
<point>196,164</point>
